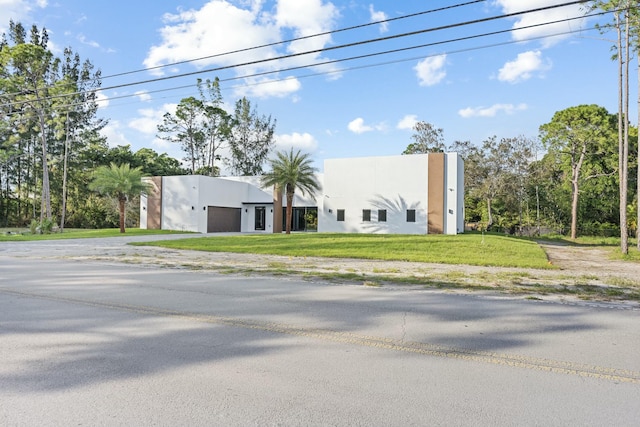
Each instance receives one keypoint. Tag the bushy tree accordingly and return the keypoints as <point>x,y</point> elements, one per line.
<point>250,139</point>
<point>216,123</point>
<point>426,139</point>
<point>582,136</point>
<point>185,128</point>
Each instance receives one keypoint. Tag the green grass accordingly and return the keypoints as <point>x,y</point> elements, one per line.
<point>11,235</point>
<point>469,248</point>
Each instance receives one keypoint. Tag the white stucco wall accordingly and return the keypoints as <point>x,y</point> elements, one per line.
<point>394,183</point>
<point>460,191</point>
<point>454,198</point>
<point>180,202</point>
<point>143,211</point>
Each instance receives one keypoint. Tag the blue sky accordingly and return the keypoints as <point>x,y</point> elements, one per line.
<point>505,85</point>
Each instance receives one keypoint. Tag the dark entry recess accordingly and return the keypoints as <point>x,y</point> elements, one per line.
<point>221,220</point>
<point>260,218</point>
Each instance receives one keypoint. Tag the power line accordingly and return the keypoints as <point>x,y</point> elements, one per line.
<point>380,53</point>
<point>326,49</point>
<point>354,27</point>
<point>441,9</point>
<point>346,45</point>
<point>397,61</point>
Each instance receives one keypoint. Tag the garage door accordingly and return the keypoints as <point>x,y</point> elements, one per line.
<point>221,220</point>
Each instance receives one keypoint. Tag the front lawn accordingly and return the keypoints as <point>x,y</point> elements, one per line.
<point>469,248</point>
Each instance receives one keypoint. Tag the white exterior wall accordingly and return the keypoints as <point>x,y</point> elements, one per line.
<point>394,183</point>
<point>460,190</point>
<point>179,203</point>
<point>143,211</point>
<point>454,198</point>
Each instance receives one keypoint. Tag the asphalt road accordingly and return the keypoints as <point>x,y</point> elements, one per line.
<point>90,343</point>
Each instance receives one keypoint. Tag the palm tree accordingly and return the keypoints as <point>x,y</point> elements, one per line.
<point>120,182</point>
<point>290,172</point>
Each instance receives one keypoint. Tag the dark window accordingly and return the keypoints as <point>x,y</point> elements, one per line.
<point>340,214</point>
<point>411,215</point>
<point>302,219</point>
<point>366,214</point>
<point>260,218</point>
<point>382,215</point>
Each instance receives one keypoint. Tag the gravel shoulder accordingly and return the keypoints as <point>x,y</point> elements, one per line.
<point>581,274</point>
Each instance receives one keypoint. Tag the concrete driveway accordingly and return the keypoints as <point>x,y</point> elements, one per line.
<point>94,343</point>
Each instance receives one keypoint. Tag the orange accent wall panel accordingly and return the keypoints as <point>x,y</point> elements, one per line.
<point>435,196</point>
<point>154,204</point>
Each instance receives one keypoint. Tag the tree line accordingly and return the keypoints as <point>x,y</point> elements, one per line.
<point>572,178</point>
<point>564,181</point>
<point>51,145</point>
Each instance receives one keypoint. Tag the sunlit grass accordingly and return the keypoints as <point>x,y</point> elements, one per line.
<point>471,248</point>
<point>9,235</point>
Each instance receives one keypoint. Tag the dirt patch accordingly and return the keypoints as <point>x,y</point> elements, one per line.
<point>590,261</point>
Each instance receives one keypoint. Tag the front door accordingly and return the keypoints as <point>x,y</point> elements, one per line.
<point>260,218</point>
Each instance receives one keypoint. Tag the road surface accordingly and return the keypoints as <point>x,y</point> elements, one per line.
<point>97,343</point>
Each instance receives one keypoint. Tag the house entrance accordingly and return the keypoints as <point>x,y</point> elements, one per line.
<point>260,218</point>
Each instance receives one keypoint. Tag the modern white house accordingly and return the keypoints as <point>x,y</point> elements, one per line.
<point>408,194</point>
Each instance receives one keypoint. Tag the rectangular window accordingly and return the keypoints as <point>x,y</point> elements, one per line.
<point>411,215</point>
<point>340,214</point>
<point>366,215</point>
<point>382,215</point>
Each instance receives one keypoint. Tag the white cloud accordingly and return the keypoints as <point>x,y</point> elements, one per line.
<point>430,71</point>
<point>379,16</point>
<point>491,111</point>
<point>83,39</point>
<point>102,99</point>
<point>304,142</point>
<point>149,119</point>
<point>522,67</point>
<point>218,27</point>
<point>407,122</point>
<point>534,18</point>
<point>222,26</point>
<point>143,95</point>
<point>265,88</point>
<point>358,126</point>
<point>18,11</point>
<point>114,134</point>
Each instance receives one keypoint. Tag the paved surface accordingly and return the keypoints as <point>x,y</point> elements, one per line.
<point>96,343</point>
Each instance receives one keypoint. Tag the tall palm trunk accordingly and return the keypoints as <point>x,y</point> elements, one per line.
<point>289,211</point>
